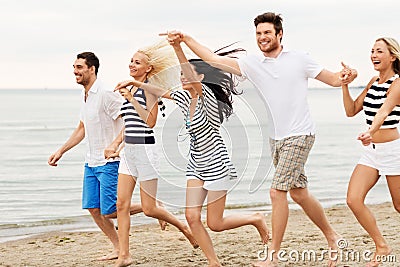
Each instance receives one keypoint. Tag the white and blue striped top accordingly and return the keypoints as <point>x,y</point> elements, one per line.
<point>208,156</point>
<point>374,99</point>
<point>136,130</point>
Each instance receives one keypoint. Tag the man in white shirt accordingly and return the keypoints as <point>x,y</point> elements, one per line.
<point>281,76</point>
<point>100,124</point>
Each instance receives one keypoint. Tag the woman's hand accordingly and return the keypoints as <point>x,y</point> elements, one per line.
<point>111,152</point>
<point>122,87</point>
<point>125,92</point>
<point>365,138</point>
<point>124,84</point>
<point>174,37</point>
<point>347,75</point>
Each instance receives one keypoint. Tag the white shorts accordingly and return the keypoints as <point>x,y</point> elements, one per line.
<point>140,161</point>
<point>385,157</point>
<point>224,184</point>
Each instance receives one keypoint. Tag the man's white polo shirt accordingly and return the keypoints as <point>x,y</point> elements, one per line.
<point>283,83</point>
<point>99,115</point>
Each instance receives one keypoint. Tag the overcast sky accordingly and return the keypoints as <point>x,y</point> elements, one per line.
<point>40,39</point>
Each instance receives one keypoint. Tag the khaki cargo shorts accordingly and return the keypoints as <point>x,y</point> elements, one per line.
<point>289,156</point>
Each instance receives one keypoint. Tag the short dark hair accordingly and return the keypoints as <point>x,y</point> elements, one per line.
<point>91,60</point>
<point>270,17</point>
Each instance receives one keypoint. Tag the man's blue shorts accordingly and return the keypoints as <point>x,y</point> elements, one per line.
<point>100,187</point>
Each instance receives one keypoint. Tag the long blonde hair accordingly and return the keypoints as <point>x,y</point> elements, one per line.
<point>394,49</point>
<point>165,65</point>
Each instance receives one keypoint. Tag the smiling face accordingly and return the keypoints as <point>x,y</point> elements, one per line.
<point>266,37</point>
<point>381,57</point>
<point>186,84</point>
<point>83,74</point>
<point>139,66</point>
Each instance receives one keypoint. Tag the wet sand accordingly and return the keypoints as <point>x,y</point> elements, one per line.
<point>151,247</point>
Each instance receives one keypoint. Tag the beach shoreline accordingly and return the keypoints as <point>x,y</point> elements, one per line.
<point>238,247</point>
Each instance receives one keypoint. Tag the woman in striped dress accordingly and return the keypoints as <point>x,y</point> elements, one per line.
<point>380,101</point>
<point>205,102</point>
<point>140,158</point>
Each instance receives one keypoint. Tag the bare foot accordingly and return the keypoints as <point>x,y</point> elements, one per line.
<point>112,256</point>
<point>335,243</point>
<point>188,233</point>
<point>262,227</point>
<point>163,224</point>
<point>123,262</point>
<point>266,263</point>
<point>215,264</point>
<point>379,256</point>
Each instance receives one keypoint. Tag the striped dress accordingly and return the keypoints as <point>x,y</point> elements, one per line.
<point>208,156</point>
<point>136,130</point>
<point>374,99</point>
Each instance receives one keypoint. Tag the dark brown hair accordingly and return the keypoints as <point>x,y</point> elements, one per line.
<point>270,17</point>
<point>91,60</point>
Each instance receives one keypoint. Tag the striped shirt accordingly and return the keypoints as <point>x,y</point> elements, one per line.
<point>136,130</point>
<point>374,99</point>
<point>208,156</point>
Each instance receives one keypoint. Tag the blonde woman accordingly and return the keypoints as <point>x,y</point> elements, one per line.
<point>380,101</point>
<point>139,113</point>
<point>205,102</point>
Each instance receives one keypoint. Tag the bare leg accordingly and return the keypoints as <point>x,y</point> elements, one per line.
<point>361,182</point>
<point>137,208</point>
<point>195,196</point>
<point>315,212</point>
<point>280,215</point>
<point>163,224</point>
<point>134,209</point>
<point>217,222</point>
<point>107,226</point>
<point>126,185</point>
<point>148,192</point>
<point>393,182</point>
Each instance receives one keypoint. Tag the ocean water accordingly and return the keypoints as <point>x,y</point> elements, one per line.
<point>35,197</point>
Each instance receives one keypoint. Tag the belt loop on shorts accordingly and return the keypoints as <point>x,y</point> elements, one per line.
<point>373,146</point>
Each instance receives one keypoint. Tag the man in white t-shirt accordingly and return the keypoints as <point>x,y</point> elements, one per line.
<point>281,76</point>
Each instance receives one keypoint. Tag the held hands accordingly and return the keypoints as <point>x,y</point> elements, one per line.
<point>365,138</point>
<point>174,37</point>
<point>123,90</point>
<point>347,75</point>
<point>111,152</point>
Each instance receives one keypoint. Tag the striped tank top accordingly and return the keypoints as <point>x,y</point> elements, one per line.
<point>136,130</point>
<point>208,156</point>
<point>374,99</point>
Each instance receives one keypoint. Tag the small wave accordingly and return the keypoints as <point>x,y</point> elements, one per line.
<point>62,221</point>
<point>247,206</point>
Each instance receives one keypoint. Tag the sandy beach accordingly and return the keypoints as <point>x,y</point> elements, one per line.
<point>152,247</point>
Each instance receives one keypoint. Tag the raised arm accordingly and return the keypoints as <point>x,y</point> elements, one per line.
<point>152,89</point>
<point>148,115</point>
<point>353,107</point>
<point>186,68</point>
<point>336,79</point>
<point>222,62</point>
